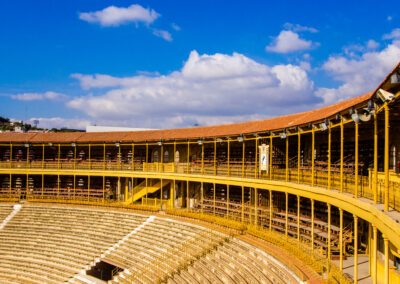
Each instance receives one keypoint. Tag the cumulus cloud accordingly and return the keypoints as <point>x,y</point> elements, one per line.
<point>209,89</point>
<point>162,34</point>
<point>358,75</point>
<point>39,96</point>
<point>116,16</point>
<point>299,28</point>
<point>175,27</point>
<point>394,34</point>
<point>288,41</point>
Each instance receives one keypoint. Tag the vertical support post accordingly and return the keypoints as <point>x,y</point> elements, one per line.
<point>312,225</point>
<point>104,189</point>
<point>298,218</point>
<point>133,159</point>
<point>161,168</point>
<point>286,213</point>
<point>287,160</point>
<point>201,197</point>
<point>256,158</point>
<point>270,156</point>
<point>74,186</point>
<point>386,242</point>
<point>228,161</point>
<point>58,156</point>
<point>375,255</point>
<point>161,192</point>
<point>147,189</point>
<point>256,206</point>
<point>147,160</point>
<point>356,160</point>
<point>119,157</point>
<point>214,199</point>
<point>329,154</point>
<point>243,156</point>
<point>104,156</point>
<point>312,158</point>
<point>355,249</point>
<point>242,203</point>
<point>341,153</point>
<point>90,162</point>
<point>188,157</point>
<point>215,157</point>
<point>88,188</point>
<point>375,179</point>
<point>227,200</point>
<point>173,194</point>
<point>329,233</point>
<point>58,185</point>
<point>43,156</point>
<point>11,153</point>
<point>187,195</point>
<point>42,184</point>
<point>386,161</point>
<point>174,158</point>
<point>27,157</point>
<point>10,184</point>
<point>202,158</point>
<point>298,155</point>
<point>270,209</point>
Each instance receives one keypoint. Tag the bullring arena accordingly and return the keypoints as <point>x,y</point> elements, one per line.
<point>312,197</point>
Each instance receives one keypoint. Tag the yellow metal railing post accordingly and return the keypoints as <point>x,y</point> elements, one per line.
<point>329,233</point>
<point>27,157</point>
<point>161,193</point>
<point>341,153</point>
<point>147,160</point>
<point>187,195</point>
<point>201,197</point>
<point>58,185</point>
<point>173,194</point>
<point>188,157</point>
<point>228,161</point>
<point>202,159</point>
<point>10,185</point>
<point>287,160</point>
<point>243,156</point>
<point>11,153</point>
<point>256,206</point>
<point>329,154</point>
<point>312,226</point>
<point>58,158</point>
<point>227,200</point>
<point>104,189</point>
<point>119,157</point>
<point>298,155</point>
<point>375,255</point>
<point>270,210</point>
<point>298,218</point>
<point>162,158</point>
<point>133,158</point>
<point>386,243</point>
<point>42,156</point>
<point>74,186</point>
<point>215,157</point>
<point>356,160</point>
<point>355,249</point>
<point>286,213</point>
<point>90,164</point>
<point>270,156</point>
<point>386,161</point>
<point>256,158</point>
<point>312,157</point>
<point>174,156</point>
<point>242,203</point>
<point>375,179</point>
<point>88,188</point>
<point>104,156</point>
<point>214,199</point>
<point>42,184</point>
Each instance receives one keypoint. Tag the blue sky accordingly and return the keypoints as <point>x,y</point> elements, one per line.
<point>164,64</point>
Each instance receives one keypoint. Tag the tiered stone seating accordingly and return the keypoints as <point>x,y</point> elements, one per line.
<point>5,210</point>
<point>52,244</point>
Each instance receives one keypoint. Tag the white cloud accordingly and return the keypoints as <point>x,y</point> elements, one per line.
<point>209,89</point>
<point>175,27</point>
<point>394,34</point>
<point>358,75</point>
<point>39,96</point>
<point>389,18</point>
<point>288,41</point>
<point>299,28</point>
<point>163,34</point>
<point>58,122</point>
<point>371,44</point>
<point>116,16</point>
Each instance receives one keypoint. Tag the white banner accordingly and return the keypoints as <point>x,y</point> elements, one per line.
<point>264,158</point>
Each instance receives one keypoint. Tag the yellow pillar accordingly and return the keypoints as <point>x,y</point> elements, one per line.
<point>298,218</point>
<point>104,189</point>
<point>375,255</point>
<point>172,193</point>
<point>243,156</point>
<point>119,157</point>
<point>270,156</point>
<point>312,225</point>
<point>386,162</point>
<point>42,184</point>
<point>202,159</point>
<point>188,157</point>
<point>341,153</point>
<point>90,164</point>
<point>43,156</point>
<point>201,197</point>
<point>270,210</point>
<point>298,155</point>
<point>287,159</point>
<point>161,192</point>
<point>375,180</point>
<point>88,193</point>
<point>27,158</point>
<point>215,157</point>
<point>256,159</point>
<point>214,199</point>
<point>286,213</point>
<point>11,153</point>
<point>356,160</point>
<point>329,233</point>
<point>133,159</point>
<point>147,159</point>
<point>162,158</point>
<point>242,203</point>
<point>255,206</point>
<point>355,249</point>
<point>312,156</point>
<point>104,156</point>
<point>386,242</point>
<point>227,200</point>
<point>228,161</point>
<point>341,240</point>
<point>174,158</point>
<point>187,195</point>
<point>58,156</point>
<point>329,154</point>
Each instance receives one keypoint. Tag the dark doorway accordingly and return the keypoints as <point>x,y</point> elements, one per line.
<point>104,270</point>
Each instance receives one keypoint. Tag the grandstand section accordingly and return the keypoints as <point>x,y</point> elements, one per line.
<point>322,186</point>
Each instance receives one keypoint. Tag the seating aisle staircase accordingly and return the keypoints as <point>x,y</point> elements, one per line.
<point>141,189</point>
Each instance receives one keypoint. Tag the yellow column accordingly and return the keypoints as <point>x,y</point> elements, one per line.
<point>312,225</point>
<point>242,203</point>
<point>243,156</point>
<point>386,161</point>
<point>228,161</point>
<point>329,154</point>
<point>214,199</point>
<point>42,184</point>
<point>90,164</point>
<point>256,158</point>
<point>270,210</point>
<point>270,156</point>
<point>162,158</point>
<point>312,157</point>
<point>188,157</point>
<point>58,156</point>
<point>287,159</point>
<point>201,197</point>
<point>202,159</point>
<point>375,180</point>
<point>341,240</point>
<point>215,157</point>
<point>88,188</point>
<point>298,156</point>
<point>174,157</point>
<point>119,156</point>
<point>386,242</point>
<point>255,206</point>
<point>298,218</point>
<point>43,156</point>
<point>356,160</point>
<point>355,249</point>
<point>341,153</point>
<point>329,233</point>
<point>147,159</point>
<point>104,187</point>
<point>375,255</point>
<point>187,195</point>
<point>172,193</point>
<point>133,159</point>
<point>74,186</point>
<point>227,200</point>
<point>11,152</point>
<point>104,156</point>
<point>27,158</point>
<point>58,185</point>
<point>286,213</point>
<point>161,192</point>
<point>10,184</point>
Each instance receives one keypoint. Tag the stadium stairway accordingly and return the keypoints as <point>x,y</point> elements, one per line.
<point>141,190</point>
